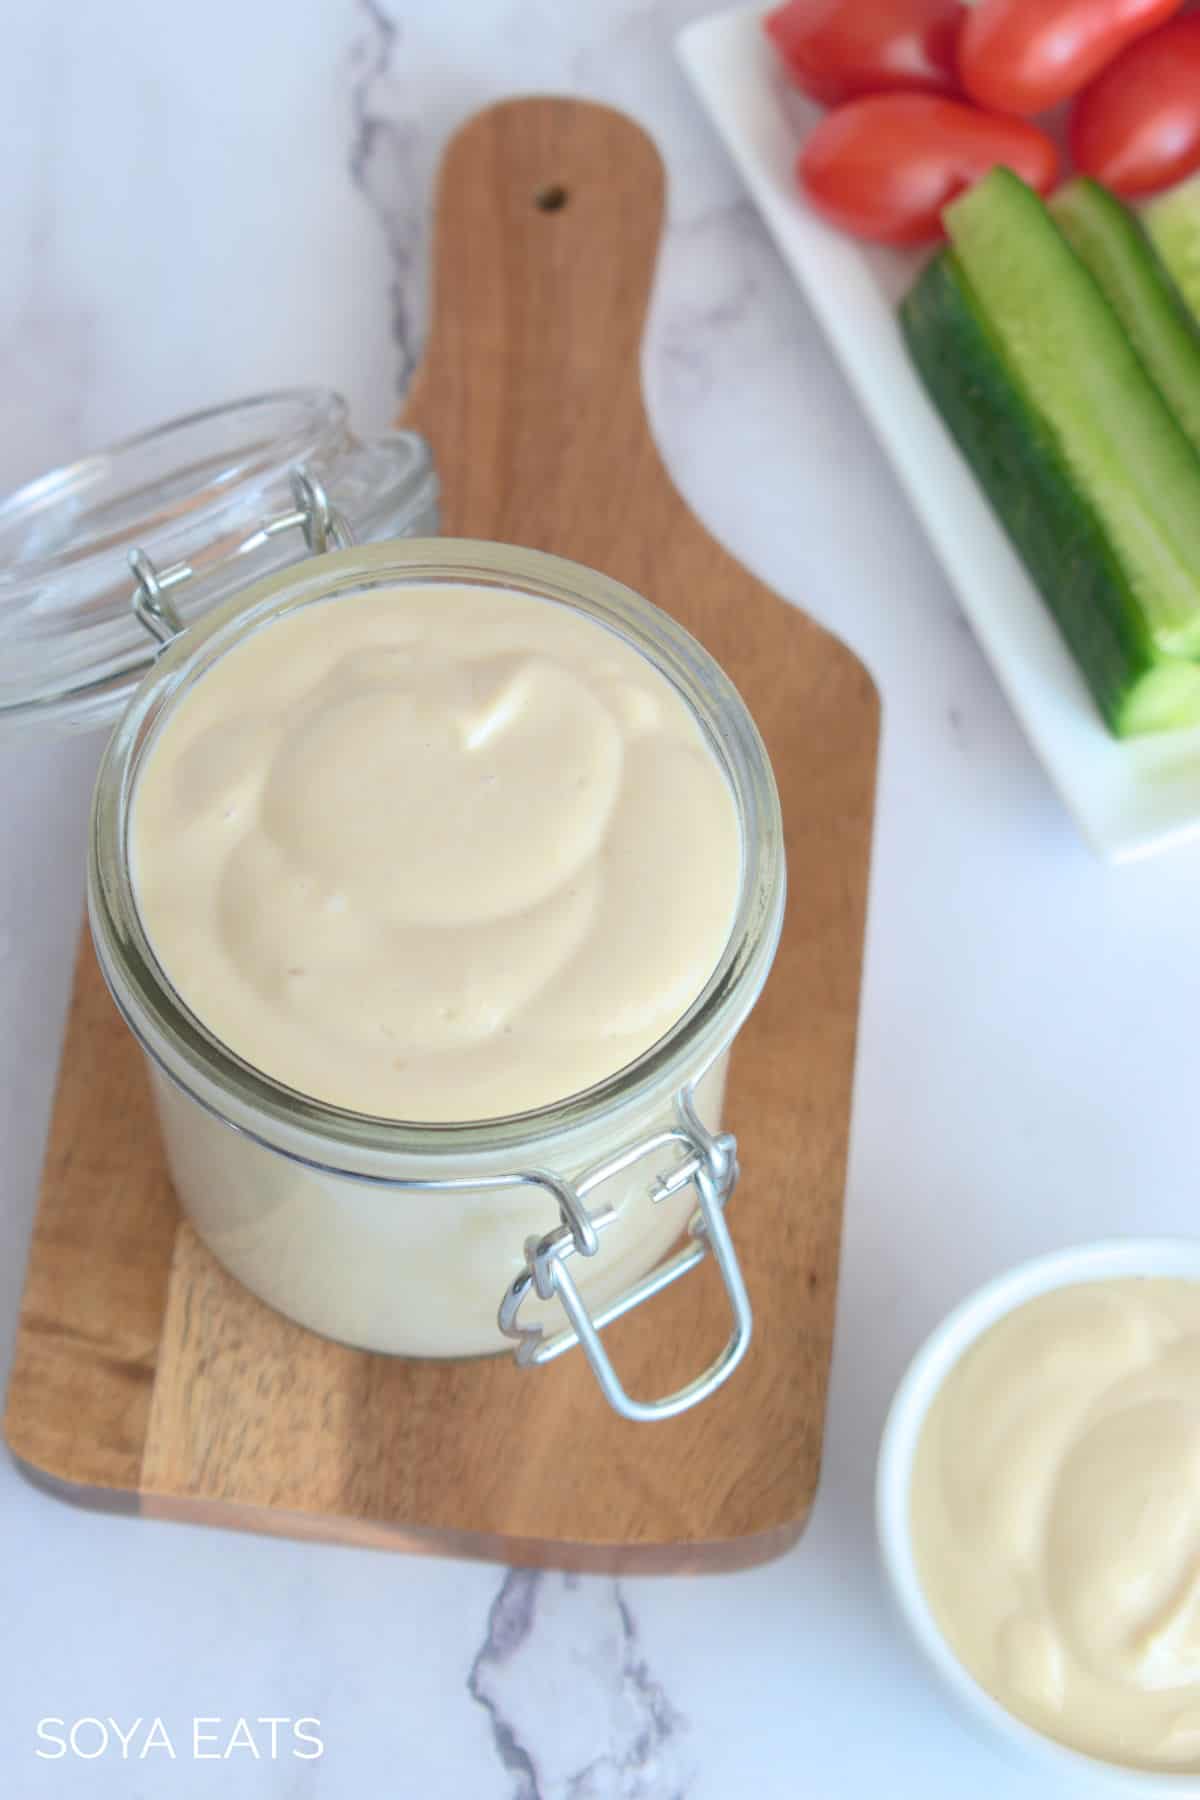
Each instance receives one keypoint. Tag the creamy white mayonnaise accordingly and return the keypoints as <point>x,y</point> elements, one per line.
<point>1055,1515</point>
<point>435,852</point>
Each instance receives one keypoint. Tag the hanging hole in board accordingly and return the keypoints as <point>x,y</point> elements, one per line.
<point>551,198</point>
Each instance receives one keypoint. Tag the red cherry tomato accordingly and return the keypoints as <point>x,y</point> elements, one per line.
<point>884,167</point>
<point>835,49</point>
<point>1138,127</point>
<point>1021,56</point>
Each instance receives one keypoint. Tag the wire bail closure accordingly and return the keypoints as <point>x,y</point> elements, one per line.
<point>710,1165</point>
<point>324,528</point>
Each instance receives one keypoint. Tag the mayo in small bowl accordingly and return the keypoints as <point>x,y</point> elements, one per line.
<point>1038,1508</point>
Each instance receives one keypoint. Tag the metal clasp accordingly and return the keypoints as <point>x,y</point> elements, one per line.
<point>324,528</point>
<point>709,1164</point>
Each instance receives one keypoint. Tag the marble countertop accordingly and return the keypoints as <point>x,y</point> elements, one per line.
<point>203,202</point>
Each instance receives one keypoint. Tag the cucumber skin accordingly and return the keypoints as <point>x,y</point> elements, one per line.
<point>1099,228</point>
<point>1066,350</point>
<point>1172,223</point>
<point>1017,463</point>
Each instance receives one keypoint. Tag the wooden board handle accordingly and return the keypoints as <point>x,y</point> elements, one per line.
<point>549,214</point>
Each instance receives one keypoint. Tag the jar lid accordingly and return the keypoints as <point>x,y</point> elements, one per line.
<point>212,502</point>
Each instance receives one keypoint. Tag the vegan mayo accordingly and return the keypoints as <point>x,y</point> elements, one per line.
<point>435,852</point>
<point>1055,1516</point>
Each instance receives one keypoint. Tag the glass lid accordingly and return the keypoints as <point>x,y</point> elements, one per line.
<point>212,502</point>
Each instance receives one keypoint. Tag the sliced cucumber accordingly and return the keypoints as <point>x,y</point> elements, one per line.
<point>1063,348</point>
<point>1173,224</point>
<point>1109,241</point>
<point>1061,536</point>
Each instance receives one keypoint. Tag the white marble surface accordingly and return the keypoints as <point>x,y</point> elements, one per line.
<point>200,202</point>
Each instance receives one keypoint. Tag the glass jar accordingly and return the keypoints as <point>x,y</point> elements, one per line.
<point>423,1240</point>
<point>446,1240</point>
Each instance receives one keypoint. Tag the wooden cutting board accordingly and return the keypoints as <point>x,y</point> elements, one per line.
<point>144,1377</point>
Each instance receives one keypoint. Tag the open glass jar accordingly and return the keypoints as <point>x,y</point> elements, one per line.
<point>470,1237</point>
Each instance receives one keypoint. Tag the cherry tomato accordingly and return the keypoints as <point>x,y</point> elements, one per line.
<point>1021,56</point>
<point>885,166</point>
<point>1138,127</point>
<point>836,49</point>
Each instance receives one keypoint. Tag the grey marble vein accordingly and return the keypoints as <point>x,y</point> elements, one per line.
<point>575,1711</point>
<point>384,153</point>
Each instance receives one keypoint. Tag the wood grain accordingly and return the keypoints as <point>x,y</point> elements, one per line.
<point>92,1311</point>
<point>141,1365</point>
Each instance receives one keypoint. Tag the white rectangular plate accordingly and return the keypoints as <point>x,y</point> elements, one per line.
<point>1129,799</point>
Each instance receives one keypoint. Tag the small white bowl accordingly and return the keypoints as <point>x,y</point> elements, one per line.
<point>1108,1260</point>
